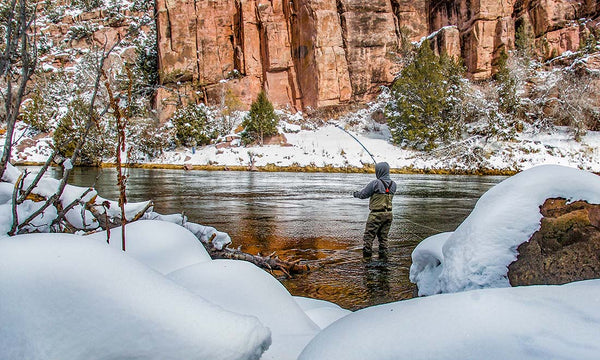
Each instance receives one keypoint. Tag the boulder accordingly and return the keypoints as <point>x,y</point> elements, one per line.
<point>566,248</point>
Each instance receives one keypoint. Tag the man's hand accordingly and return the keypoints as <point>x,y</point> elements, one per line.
<point>355,194</point>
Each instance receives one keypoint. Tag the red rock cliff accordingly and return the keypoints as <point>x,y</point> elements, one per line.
<point>310,54</point>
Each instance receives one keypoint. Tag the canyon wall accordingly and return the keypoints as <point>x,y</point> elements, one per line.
<point>311,54</point>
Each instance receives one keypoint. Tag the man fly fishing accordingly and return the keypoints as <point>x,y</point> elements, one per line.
<point>380,193</point>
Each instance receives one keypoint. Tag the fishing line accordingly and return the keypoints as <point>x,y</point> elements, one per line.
<point>354,137</point>
<point>423,226</point>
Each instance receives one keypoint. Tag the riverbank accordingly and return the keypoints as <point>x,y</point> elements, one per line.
<point>367,169</point>
<point>327,149</point>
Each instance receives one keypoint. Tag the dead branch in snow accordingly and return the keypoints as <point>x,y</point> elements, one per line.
<point>62,212</point>
<point>17,188</point>
<point>107,222</point>
<point>271,262</point>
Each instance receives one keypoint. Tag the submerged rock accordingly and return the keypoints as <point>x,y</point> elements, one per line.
<point>566,248</point>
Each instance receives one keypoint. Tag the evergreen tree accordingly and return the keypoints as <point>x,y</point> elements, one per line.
<point>192,126</point>
<point>524,40</point>
<point>507,86</point>
<point>426,100</point>
<point>261,121</point>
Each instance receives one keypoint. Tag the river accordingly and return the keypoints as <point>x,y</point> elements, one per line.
<point>308,216</point>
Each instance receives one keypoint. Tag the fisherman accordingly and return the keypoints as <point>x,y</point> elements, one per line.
<point>380,191</point>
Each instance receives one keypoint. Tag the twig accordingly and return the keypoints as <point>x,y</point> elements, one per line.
<point>15,214</point>
<point>37,178</point>
<point>63,212</point>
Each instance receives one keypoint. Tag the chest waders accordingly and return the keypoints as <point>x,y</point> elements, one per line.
<point>379,222</point>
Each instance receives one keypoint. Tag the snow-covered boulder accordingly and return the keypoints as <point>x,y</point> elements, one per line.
<point>322,312</point>
<point>69,297</point>
<point>161,245</point>
<point>243,288</point>
<point>427,260</point>
<point>206,234</point>
<point>534,322</point>
<point>478,253</point>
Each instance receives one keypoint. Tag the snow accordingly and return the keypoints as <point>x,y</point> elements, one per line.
<point>68,297</point>
<point>329,146</point>
<point>162,246</point>
<point>427,260</point>
<point>479,251</point>
<point>76,297</point>
<point>322,312</point>
<point>535,322</point>
<point>204,233</point>
<point>67,165</point>
<point>243,288</point>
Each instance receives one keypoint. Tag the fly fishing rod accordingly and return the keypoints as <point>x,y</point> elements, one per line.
<point>354,137</point>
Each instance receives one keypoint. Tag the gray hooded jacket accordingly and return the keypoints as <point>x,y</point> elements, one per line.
<point>382,172</point>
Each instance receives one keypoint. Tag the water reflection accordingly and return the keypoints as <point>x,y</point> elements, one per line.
<point>308,216</point>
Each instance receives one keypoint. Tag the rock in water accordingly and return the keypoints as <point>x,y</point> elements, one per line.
<point>566,248</point>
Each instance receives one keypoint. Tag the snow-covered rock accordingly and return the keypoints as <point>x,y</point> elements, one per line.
<point>535,322</point>
<point>478,253</point>
<point>243,288</point>
<point>69,297</point>
<point>427,260</point>
<point>160,245</point>
<point>322,312</point>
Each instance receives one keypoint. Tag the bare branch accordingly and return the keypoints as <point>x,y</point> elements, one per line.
<point>15,214</point>
<point>63,212</point>
<point>37,178</point>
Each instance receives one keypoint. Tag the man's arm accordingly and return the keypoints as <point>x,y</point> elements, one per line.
<point>366,192</point>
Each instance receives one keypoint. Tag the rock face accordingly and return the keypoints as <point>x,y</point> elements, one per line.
<point>304,53</point>
<point>311,54</point>
<point>566,248</point>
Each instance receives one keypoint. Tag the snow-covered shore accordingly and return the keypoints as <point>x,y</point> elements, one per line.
<point>327,148</point>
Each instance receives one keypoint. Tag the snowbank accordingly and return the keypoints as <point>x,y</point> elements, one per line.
<point>69,297</point>
<point>322,312</point>
<point>477,254</point>
<point>427,260</point>
<point>203,233</point>
<point>536,322</point>
<point>241,287</point>
<point>160,245</point>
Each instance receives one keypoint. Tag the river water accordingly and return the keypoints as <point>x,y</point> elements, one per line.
<point>308,216</point>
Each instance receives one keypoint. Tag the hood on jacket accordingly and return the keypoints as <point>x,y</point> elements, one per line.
<point>382,170</point>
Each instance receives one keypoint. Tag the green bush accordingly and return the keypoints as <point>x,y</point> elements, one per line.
<point>80,31</point>
<point>69,130</point>
<point>426,101</point>
<point>147,137</point>
<point>261,121</point>
<point>86,5</point>
<point>35,113</point>
<point>192,127</point>
<point>524,39</point>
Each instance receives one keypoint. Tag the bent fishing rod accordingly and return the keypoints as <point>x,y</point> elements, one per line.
<point>354,137</point>
<point>372,157</point>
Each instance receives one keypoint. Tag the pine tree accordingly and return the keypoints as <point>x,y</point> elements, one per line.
<point>426,98</point>
<point>507,86</point>
<point>192,126</point>
<point>261,121</point>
